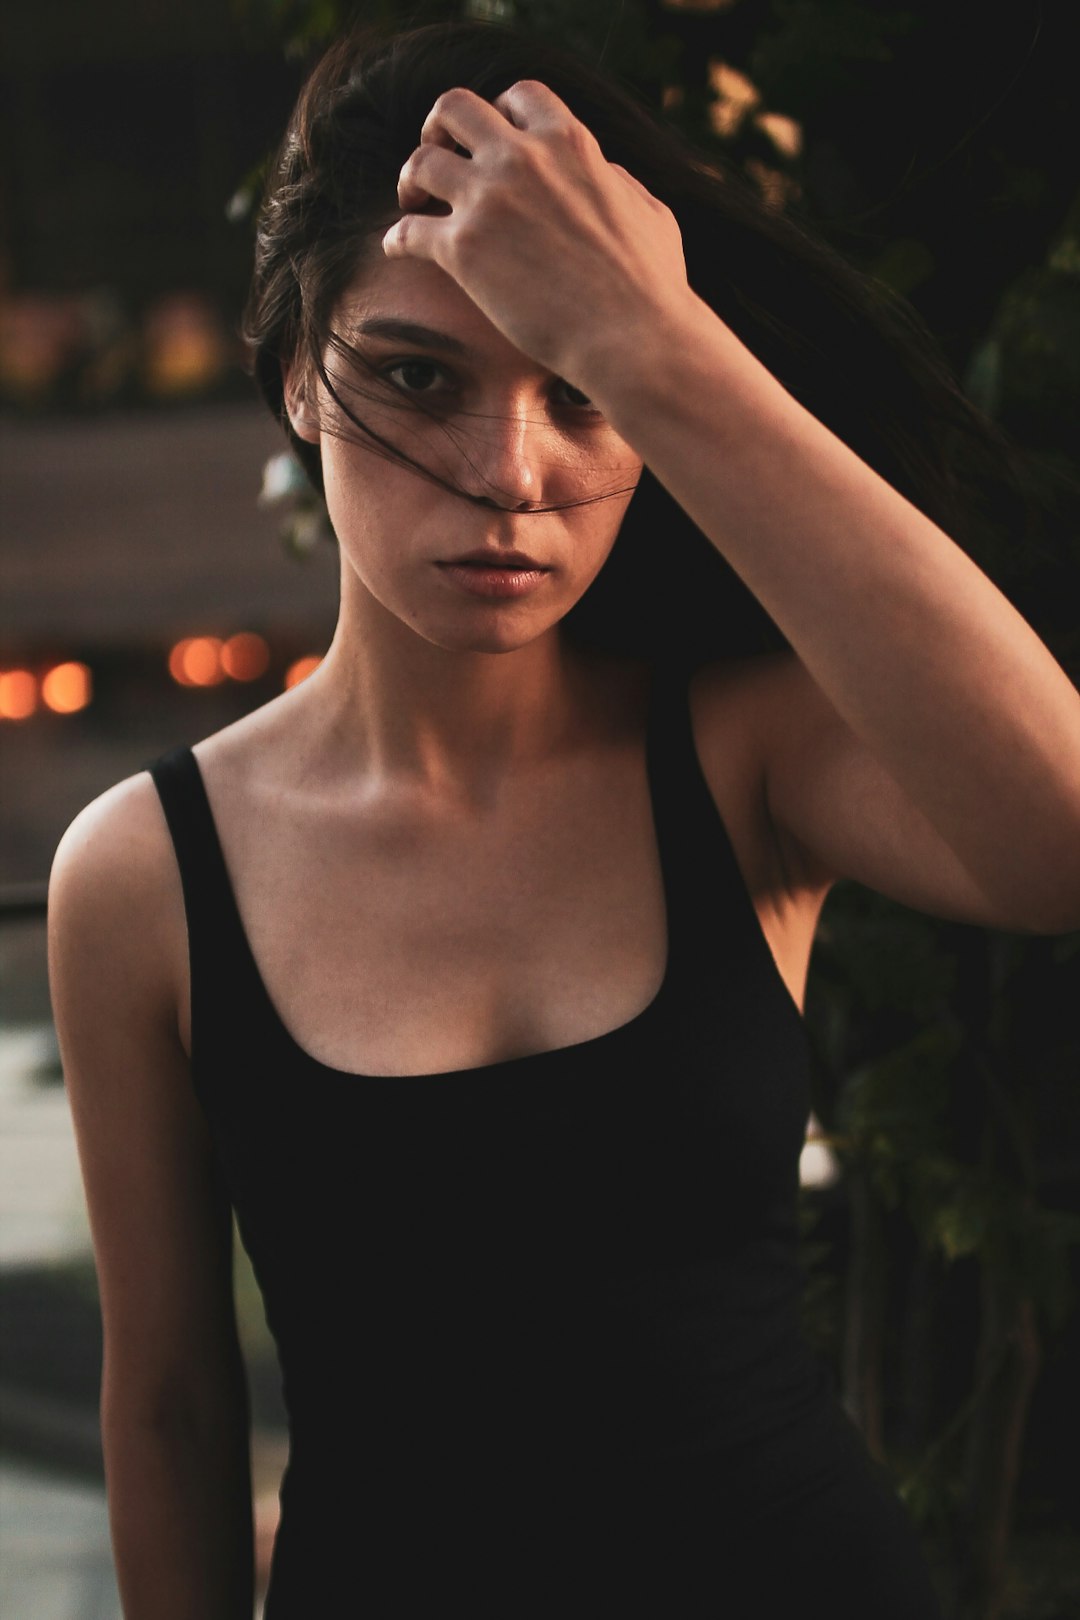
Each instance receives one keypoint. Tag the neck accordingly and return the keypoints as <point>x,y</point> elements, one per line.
<point>444,723</point>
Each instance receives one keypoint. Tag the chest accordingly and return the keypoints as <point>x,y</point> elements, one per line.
<point>395,944</point>
<point>394,948</point>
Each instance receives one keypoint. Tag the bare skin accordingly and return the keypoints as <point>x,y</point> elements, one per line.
<point>417,937</point>
<point>420,939</point>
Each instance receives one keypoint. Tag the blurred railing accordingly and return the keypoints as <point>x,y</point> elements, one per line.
<point>20,901</point>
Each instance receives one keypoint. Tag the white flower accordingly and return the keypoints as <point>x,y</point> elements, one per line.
<point>282,479</point>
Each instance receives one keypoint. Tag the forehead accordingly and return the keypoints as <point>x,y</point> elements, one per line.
<point>419,291</point>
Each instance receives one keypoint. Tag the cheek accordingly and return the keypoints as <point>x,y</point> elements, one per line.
<point>366,494</point>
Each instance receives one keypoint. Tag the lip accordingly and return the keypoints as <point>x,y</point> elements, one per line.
<point>493,583</point>
<point>488,557</point>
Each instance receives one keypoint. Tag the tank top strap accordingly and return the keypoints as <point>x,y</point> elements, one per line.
<point>223,973</point>
<point>702,878</point>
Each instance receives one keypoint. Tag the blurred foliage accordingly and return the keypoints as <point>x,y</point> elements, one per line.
<point>930,1064</point>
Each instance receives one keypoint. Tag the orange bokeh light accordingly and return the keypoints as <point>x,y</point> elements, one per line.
<point>18,694</point>
<point>67,688</point>
<point>202,661</point>
<point>245,656</point>
<point>176,662</point>
<point>301,669</point>
<point>196,661</point>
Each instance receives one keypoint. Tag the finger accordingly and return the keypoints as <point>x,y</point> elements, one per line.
<point>461,117</point>
<point>430,171</point>
<point>435,135</point>
<point>529,104</point>
<point>439,137</point>
<point>413,236</point>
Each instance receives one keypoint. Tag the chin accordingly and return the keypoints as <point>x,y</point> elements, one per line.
<point>502,633</point>
<point>493,641</point>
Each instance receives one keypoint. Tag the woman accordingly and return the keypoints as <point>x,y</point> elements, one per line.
<point>470,971</point>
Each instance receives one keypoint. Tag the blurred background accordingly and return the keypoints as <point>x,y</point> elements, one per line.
<point>162,574</point>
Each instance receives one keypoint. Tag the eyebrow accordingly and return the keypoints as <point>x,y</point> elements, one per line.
<point>390,326</point>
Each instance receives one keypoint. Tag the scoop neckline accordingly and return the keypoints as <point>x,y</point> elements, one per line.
<point>478,1071</point>
<point>483,1070</point>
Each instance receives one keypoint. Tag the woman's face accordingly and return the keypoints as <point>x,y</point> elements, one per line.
<point>502,427</point>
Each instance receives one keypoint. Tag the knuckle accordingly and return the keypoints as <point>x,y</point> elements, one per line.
<point>468,244</point>
<point>468,233</point>
<point>572,137</point>
<point>447,100</point>
<point>432,131</point>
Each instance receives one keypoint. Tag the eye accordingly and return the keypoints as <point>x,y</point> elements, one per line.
<point>426,368</point>
<point>582,402</point>
<point>418,375</point>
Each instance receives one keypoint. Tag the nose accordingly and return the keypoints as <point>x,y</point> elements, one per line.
<point>500,452</point>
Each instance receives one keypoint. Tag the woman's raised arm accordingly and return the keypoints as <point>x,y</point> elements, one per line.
<point>174,1406</point>
<point>920,699</point>
<point>930,694</point>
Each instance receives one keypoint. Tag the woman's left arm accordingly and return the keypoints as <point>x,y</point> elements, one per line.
<point>924,664</point>
<point>930,743</point>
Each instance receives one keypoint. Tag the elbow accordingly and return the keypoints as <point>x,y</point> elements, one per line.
<point>1051,902</point>
<point>1058,920</point>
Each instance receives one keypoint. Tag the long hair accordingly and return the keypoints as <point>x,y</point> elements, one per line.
<point>848,348</point>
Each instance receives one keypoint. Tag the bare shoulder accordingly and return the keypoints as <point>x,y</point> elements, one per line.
<point>126,819</point>
<point>114,879</point>
<point>117,935</point>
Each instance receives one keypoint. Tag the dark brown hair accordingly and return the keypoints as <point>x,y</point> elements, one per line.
<point>849,349</point>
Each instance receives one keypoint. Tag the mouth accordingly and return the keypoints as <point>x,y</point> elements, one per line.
<point>497,576</point>
<point>488,560</point>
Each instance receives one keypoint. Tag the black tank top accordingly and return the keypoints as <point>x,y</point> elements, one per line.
<point>538,1322</point>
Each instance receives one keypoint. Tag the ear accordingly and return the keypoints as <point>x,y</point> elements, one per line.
<point>302,419</point>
